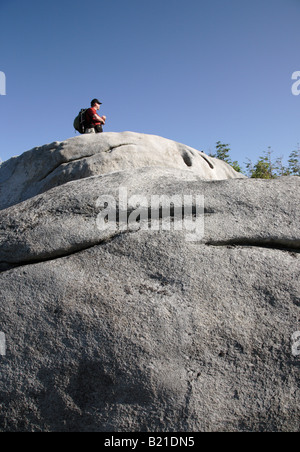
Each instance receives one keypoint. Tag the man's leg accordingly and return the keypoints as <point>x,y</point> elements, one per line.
<point>98,129</point>
<point>91,130</point>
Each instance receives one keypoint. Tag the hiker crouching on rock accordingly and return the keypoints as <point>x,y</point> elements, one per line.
<point>93,121</point>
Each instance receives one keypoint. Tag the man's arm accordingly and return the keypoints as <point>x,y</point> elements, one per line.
<point>99,118</point>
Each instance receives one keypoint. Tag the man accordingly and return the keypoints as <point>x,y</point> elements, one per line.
<point>93,121</point>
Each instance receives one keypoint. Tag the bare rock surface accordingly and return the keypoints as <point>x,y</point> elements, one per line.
<point>136,329</point>
<point>45,167</point>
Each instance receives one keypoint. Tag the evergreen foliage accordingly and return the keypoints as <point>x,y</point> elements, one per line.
<point>266,166</point>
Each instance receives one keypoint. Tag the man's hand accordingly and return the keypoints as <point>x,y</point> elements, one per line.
<point>100,119</point>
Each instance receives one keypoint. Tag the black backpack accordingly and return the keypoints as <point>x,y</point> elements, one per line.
<point>79,121</point>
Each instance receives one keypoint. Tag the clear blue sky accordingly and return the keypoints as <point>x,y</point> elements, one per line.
<point>194,71</point>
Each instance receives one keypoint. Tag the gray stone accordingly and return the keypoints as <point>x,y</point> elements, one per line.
<point>237,212</point>
<point>48,166</point>
<point>143,330</point>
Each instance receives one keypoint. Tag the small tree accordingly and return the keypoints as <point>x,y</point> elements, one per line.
<point>281,170</point>
<point>294,163</point>
<point>263,168</point>
<point>222,153</point>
